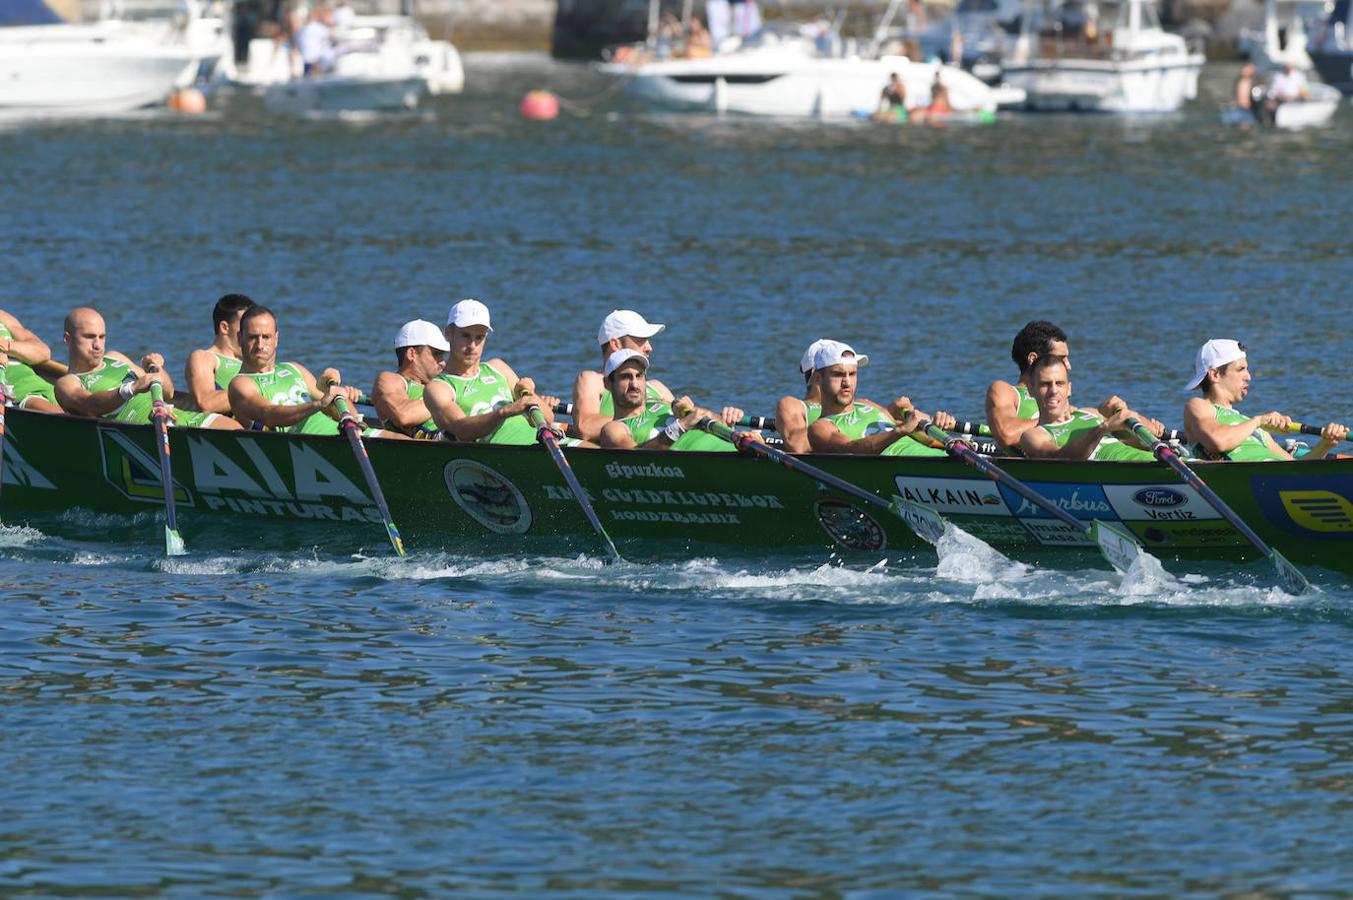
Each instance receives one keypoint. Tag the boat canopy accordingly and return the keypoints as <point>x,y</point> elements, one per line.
<point>27,12</point>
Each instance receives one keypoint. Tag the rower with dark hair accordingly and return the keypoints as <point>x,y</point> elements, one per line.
<point>1011,409</point>
<point>209,370</point>
<point>1064,432</point>
<point>420,356</point>
<point>643,422</point>
<point>622,329</point>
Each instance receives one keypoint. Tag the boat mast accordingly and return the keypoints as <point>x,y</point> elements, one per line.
<point>881,30</point>
<point>654,11</point>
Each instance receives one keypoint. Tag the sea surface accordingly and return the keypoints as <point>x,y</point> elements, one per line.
<point>283,722</point>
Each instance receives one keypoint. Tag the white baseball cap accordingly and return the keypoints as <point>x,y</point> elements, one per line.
<point>1216,352</point>
<point>421,333</point>
<point>829,353</point>
<point>620,357</point>
<point>469,312</point>
<point>806,364</point>
<point>626,322</point>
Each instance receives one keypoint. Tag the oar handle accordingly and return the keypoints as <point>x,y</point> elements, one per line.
<point>762,423</point>
<point>157,395</point>
<point>1298,428</point>
<point>346,417</point>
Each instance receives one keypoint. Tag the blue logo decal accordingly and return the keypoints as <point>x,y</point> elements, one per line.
<point>1084,501</point>
<point>1312,506</point>
<point>1159,497</point>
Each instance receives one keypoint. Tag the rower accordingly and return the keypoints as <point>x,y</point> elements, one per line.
<point>623,329</point>
<point>792,415</point>
<point>1065,432</point>
<point>20,351</point>
<point>848,425</point>
<point>102,383</point>
<point>270,396</point>
<point>480,401</point>
<point>1216,430</point>
<point>420,354</point>
<point>209,370</point>
<point>1011,409</point>
<point>645,423</point>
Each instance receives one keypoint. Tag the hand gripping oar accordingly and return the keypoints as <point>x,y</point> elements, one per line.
<point>928,524</point>
<point>547,437</point>
<point>1118,546</point>
<point>352,426</point>
<point>1290,578</point>
<point>159,417</point>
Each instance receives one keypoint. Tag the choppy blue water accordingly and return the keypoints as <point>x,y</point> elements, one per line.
<point>271,723</point>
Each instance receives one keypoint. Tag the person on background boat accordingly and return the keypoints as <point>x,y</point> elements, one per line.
<point>20,351</point>
<point>209,370</point>
<point>1289,85</point>
<point>1216,430</point>
<point>794,415</point>
<point>1242,94</point>
<point>654,424</point>
<point>593,407</point>
<point>315,42</point>
<point>892,102</point>
<point>939,105</point>
<point>102,383</point>
<point>698,44</point>
<point>1065,432</point>
<point>848,425</point>
<point>420,356</point>
<point>473,400</point>
<point>270,396</point>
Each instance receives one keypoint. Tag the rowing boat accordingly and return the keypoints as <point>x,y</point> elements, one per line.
<point>67,475</point>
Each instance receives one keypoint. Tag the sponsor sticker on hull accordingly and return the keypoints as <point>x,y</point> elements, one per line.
<point>965,496</point>
<point>1315,506</point>
<point>487,496</point>
<point>1084,501</point>
<point>1158,503</point>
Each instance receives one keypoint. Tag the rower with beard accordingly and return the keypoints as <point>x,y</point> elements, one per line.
<point>20,351</point>
<point>1065,432</point>
<point>480,401</point>
<point>1011,408</point>
<point>209,370</point>
<point>650,424</point>
<point>420,355</point>
<point>1217,430</point>
<point>849,425</point>
<point>270,396</point>
<point>102,383</point>
<point>623,329</point>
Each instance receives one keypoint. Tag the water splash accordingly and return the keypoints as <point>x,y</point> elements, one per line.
<point>969,560</point>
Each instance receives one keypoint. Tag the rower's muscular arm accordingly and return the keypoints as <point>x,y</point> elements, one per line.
<point>1002,414</point>
<point>250,407</point>
<point>825,437</point>
<point>1038,444</point>
<point>200,374</point>
<point>391,398</point>
<point>1202,428</point>
<point>588,421</point>
<point>75,399</point>
<point>792,424</point>
<point>23,345</point>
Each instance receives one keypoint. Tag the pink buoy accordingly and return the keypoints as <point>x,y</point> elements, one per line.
<point>539,106</point>
<point>188,100</point>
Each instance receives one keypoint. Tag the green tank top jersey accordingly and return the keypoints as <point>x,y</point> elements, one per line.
<point>1028,406</point>
<point>863,420</point>
<point>1110,448</point>
<point>427,431</point>
<point>608,402</point>
<point>22,380</point>
<point>284,386</point>
<point>227,367</point>
<point>656,415</point>
<point>109,376</point>
<point>483,392</point>
<point>1253,449</point>
<point>811,412</point>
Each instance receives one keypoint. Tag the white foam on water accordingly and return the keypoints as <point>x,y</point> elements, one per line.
<point>969,560</point>
<point>19,536</point>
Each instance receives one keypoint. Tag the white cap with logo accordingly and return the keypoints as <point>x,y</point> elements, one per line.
<point>806,364</point>
<point>1216,352</point>
<point>469,312</point>
<point>829,353</point>
<point>421,333</point>
<point>620,357</point>
<point>626,323</point>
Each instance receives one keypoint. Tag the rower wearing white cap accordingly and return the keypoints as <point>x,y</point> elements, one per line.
<point>1221,370</point>
<point>651,424</point>
<point>849,425</point>
<point>792,415</point>
<point>420,354</point>
<point>623,329</point>
<point>480,401</point>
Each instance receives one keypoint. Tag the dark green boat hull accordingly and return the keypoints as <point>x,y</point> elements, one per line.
<point>262,490</point>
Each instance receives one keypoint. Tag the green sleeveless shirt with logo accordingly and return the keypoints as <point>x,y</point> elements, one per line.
<point>1253,449</point>
<point>111,375</point>
<point>22,380</point>
<point>483,392</point>
<point>285,386</point>
<point>1028,406</point>
<point>863,420</point>
<point>1109,448</point>
<point>227,367</point>
<point>811,412</point>
<point>657,415</point>
<point>426,431</point>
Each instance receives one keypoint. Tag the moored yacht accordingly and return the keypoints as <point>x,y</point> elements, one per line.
<point>1330,48</point>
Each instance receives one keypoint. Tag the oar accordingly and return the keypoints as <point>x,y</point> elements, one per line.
<point>4,401</point>
<point>761,423</point>
<point>1117,545</point>
<point>551,442</point>
<point>159,416</point>
<point>1290,578</point>
<point>1298,428</point>
<point>926,523</point>
<point>352,426</point>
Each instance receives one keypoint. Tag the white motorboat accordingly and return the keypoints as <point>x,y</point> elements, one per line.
<point>793,72</point>
<point>1316,109</point>
<point>90,69</point>
<point>345,93</point>
<point>1063,61</point>
<point>1282,36</point>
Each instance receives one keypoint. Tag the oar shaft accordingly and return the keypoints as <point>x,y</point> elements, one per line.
<point>551,442</point>
<point>160,419</point>
<point>761,423</point>
<point>352,426</point>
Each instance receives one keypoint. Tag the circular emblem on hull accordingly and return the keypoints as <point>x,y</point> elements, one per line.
<point>488,497</point>
<point>848,526</point>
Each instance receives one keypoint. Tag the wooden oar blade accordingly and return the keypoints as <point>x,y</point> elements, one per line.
<point>173,543</point>
<point>1117,546</point>
<point>927,523</point>
<point>1290,578</point>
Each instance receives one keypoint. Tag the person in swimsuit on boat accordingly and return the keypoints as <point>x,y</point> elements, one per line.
<point>1216,430</point>
<point>20,351</point>
<point>794,415</point>
<point>848,425</point>
<point>270,396</point>
<point>420,355</point>
<point>209,370</point>
<point>480,401</point>
<point>1065,432</point>
<point>643,422</point>
<point>892,102</point>
<point>102,383</point>
<point>1011,409</point>
<point>623,329</point>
